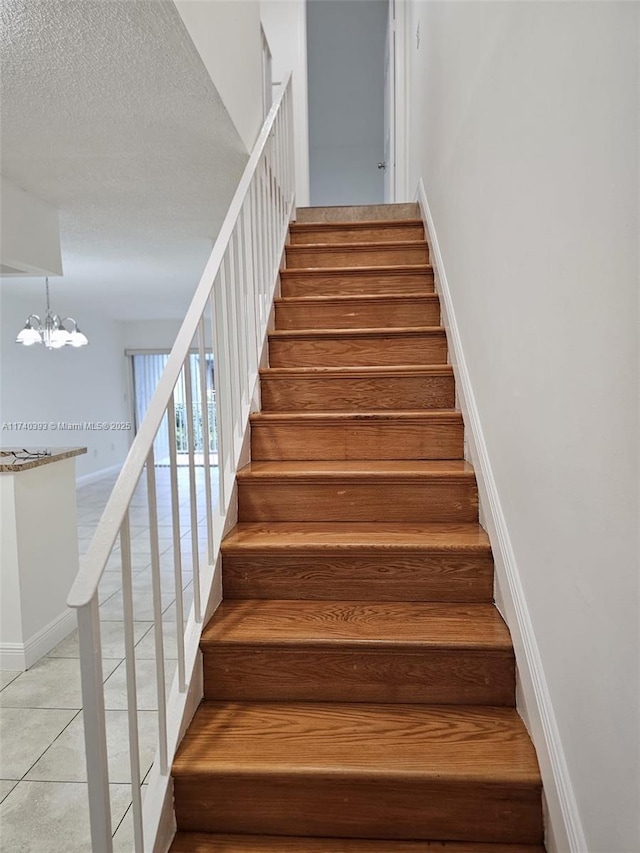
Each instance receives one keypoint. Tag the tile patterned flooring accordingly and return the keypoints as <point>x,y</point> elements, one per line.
<point>43,796</point>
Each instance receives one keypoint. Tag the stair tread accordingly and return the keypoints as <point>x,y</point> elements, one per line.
<point>387,331</point>
<point>356,247</point>
<point>354,212</point>
<point>372,371</point>
<point>360,469</point>
<point>202,842</point>
<point>354,536</point>
<point>356,224</point>
<point>363,624</point>
<point>458,744</point>
<point>350,298</point>
<point>363,270</point>
<point>383,415</point>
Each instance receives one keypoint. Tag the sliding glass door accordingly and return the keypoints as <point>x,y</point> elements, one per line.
<point>147,369</point>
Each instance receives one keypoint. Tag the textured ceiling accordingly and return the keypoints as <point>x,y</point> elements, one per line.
<point>109,115</point>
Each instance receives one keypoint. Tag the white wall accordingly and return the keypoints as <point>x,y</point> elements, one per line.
<point>38,561</point>
<point>285,26</point>
<point>29,232</point>
<point>159,335</point>
<point>346,50</point>
<point>226,34</point>
<point>153,335</point>
<point>68,385</point>
<point>524,126</point>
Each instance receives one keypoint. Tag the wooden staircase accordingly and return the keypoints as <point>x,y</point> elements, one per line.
<point>359,682</point>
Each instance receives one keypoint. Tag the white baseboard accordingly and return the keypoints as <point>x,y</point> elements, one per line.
<point>20,656</point>
<point>564,830</point>
<point>85,479</point>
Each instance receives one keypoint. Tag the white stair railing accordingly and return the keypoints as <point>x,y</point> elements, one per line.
<point>231,307</point>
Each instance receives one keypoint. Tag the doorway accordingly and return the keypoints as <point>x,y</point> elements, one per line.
<point>348,67</point>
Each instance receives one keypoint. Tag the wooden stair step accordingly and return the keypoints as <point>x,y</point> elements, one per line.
<point>357,254</point>
<point>349,435</point>
<point>364,770</point>
<point>382,537</point>
<point>358,561</point>
<point>202,842</point>
<point>380,230</point>
<point>331,624</point>
<point>357,389</point>
<point>358,347</point>
<point>357,312</point>
<point>405,278</point>
<point>358,212</point>
<point>337,651</point>
<point>350,490</point>
<point>359,682</point>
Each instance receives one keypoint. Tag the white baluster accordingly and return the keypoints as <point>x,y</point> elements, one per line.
<point>255,244</point>
<point>241,320</point>
<point>132,696</point>
<point>204,400</point>
<point>157,611</point>
<point>219,370</point>
<point>250,314</point>
<point>224,387</point>
<point>95,726</point>
<point>177,552</point>
<point>247,287</point>
<point>193,499</point>
<point>231,336</point>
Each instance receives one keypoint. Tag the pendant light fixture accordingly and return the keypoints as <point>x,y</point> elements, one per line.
<point>51,331</point>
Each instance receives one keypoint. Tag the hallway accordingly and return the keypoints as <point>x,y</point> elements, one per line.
<point>43,797</point>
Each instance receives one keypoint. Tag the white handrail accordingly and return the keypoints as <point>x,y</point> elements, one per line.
<point>93,563</point>
<point>234,295</point>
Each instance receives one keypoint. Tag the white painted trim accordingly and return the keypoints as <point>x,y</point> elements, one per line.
<point>21,656</point>
<point>401,80</point>
<point>564,829</point>
<point>129,351</point>
<point>86,479</point>
<point>390,114</point>
<point>301,119</point>
<point>13,657</point>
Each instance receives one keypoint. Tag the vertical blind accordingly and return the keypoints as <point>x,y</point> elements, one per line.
<point>147,369</point>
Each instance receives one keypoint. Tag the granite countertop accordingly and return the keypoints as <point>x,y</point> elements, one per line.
<point>9,464</point>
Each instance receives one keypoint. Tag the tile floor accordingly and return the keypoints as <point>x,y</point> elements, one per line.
<point>43,792</point>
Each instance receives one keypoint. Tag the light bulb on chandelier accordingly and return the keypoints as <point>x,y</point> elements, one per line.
<point>51,331</point>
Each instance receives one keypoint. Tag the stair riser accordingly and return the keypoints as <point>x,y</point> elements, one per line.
<point>301,257</point>
<point>392,313</point>
<point>357,234</point>
<point>360,394</point>
<point>204,843</point>
<point>372,577</point>
<point>354,284</point>
<point>413,501</point>
<point>356,351</point>
<point>359,213</point>
<point>310,674</point>
<point>347,806</point>
<point>384,440</point>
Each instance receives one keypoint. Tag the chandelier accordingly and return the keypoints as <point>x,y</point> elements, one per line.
<point>51,331</point>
